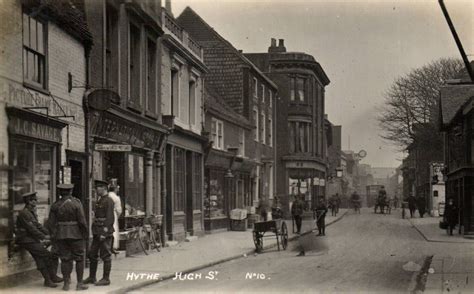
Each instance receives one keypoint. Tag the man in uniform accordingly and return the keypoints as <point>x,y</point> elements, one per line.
<point>69,227</point>
<point>30,235</point>
<point>297,210</point>
<point>102,230</point>
<point>321,211</point>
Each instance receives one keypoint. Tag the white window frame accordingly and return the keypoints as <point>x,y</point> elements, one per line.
<point>270,97</point>
<point>255,88</point>
<point>257,129</point>
<point>242,142</point>
<point>218,136</point>
<point>263,93</point>
<point>270,131</point>
<point>263,135</point>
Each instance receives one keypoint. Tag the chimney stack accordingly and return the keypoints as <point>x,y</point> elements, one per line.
<point>273,47</point>
<point>168,6</point>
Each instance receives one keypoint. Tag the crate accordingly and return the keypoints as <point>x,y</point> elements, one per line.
<point>238,225</point>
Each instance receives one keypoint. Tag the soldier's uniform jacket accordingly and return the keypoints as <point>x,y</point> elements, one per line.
<point>104,217</point>
<point>297,208</point>
<point>321,210</point>
<point>28,228</point>
<point>67,219</point>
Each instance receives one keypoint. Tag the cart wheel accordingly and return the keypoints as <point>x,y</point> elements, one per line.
<point>284,235</point>
<point>258,241</point>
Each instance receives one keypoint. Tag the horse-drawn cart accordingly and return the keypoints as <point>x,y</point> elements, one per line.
<point>274,228</point>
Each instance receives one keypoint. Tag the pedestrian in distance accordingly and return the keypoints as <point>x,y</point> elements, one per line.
<point>102,230</point>
<point>333,204</point>
<point>32,236</point>
<point>451,216</point>
<point>421,205</point>
<point>412,205</point>
<point>69,231</point>
<point>113,190</point>
<point>297,213</point>
<point>321,211</point>
<point>355,199</point>
<point>395,202</point>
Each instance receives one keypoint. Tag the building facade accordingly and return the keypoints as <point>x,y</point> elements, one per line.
<point>126,136</point>
<point>42,121</point>
<point>248,92</point>
<point>182,71</point>
<point>301,151</point>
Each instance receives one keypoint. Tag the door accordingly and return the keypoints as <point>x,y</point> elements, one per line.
<point>189,192</point>
<point>77,162</point>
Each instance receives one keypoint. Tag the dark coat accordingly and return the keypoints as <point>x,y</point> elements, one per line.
<point>421,203</point>
<point>67,219</point>
<point>297,208</point>
<point>104,217</point>
<point>451,214</point>
<point>28,228</point>
<point>321,210</point>
<point>412,202</point>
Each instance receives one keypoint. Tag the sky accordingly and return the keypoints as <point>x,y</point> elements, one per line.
<point>362,45</point>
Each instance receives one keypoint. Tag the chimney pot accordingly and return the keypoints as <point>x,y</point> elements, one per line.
<point>273,42</point>
<point>281,43</point>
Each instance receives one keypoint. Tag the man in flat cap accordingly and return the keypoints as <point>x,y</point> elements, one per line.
<point>30,235</point>
<point>102,230</point>
<point>69,230</point>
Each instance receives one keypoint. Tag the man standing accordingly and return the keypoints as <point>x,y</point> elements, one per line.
<point>30,235</point>
<point>321,211</point>
<point>333,205</point>
<point>113,190</point>
<point>451,215</point>
<point>102,230</point>
<point>412,205</point>
<point>421,204</point>
<point>69,227</point>
<point>297,212</point>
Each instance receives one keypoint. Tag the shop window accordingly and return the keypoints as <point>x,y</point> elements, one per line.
<point>151,76</point>
<point>111,52</point>
<point>217,133</point>
<point>255,119</point>
<point>216,202</point>
<point>197,181</point>
<point>179,179</point>
<point>270,182</point>
<point>34,170</point>
<point>134,64</point>
<point>34,51</point>
<point>135,186</point>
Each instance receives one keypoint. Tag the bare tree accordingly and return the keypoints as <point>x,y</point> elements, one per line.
<point>411,103</point>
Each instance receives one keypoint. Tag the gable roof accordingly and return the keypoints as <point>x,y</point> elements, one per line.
<point>202,32</point>
<point>222,110</point>
<point>452,99</point>
<point>67,14</point>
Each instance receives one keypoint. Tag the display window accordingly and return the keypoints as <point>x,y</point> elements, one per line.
<point>135,186</point>
<point>34,167</point>
<point>215,201</point>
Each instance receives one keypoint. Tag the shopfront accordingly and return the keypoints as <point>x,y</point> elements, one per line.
<point>129,148</point>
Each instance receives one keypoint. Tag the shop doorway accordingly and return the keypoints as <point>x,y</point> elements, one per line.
<point>77,162</point>
<point>189,193</point>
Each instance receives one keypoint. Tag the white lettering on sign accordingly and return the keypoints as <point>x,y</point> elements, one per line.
<point>113,147</point>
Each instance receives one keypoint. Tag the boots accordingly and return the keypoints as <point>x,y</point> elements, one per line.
<point>80,273</point>
<point>47,279</point>
<point>66,269</point>
<point>92,273</point>
<point>106,278</point>
<point>53,273</point>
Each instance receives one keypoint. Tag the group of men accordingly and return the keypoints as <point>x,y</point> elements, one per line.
<point>66,230</point>
<point>416,203</point>
<point>320,210</point>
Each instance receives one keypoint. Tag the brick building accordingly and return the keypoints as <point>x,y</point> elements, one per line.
<point>43,45</point>
<point>125,76</point>
<point>182,70</point>
<point>301,153</point>
<point>249,93</point>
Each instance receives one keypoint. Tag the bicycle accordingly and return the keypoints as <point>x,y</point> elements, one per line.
<point>137,234</point>
<point>151,230</point>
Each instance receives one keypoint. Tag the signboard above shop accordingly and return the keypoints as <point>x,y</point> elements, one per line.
<point>113,147</point>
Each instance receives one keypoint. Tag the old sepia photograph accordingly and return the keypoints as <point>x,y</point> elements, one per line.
<point>237,146</point>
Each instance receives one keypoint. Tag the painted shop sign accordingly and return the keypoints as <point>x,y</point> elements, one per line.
<point>32,129</point>
<point>113,147</point>
<point>15,94</point>
<point>107,125</point>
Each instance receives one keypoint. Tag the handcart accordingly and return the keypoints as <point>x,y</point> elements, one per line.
<point>274,228</point>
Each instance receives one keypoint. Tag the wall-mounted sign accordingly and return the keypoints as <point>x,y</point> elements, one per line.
<point>113,147</point>
<point>34,129</point>
<point>65,175</point>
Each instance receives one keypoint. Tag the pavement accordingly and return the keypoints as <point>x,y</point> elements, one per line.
<point>451,270</point>
<point>134,272</point>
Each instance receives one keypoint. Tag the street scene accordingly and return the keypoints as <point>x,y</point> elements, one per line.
<point>236,146</point>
